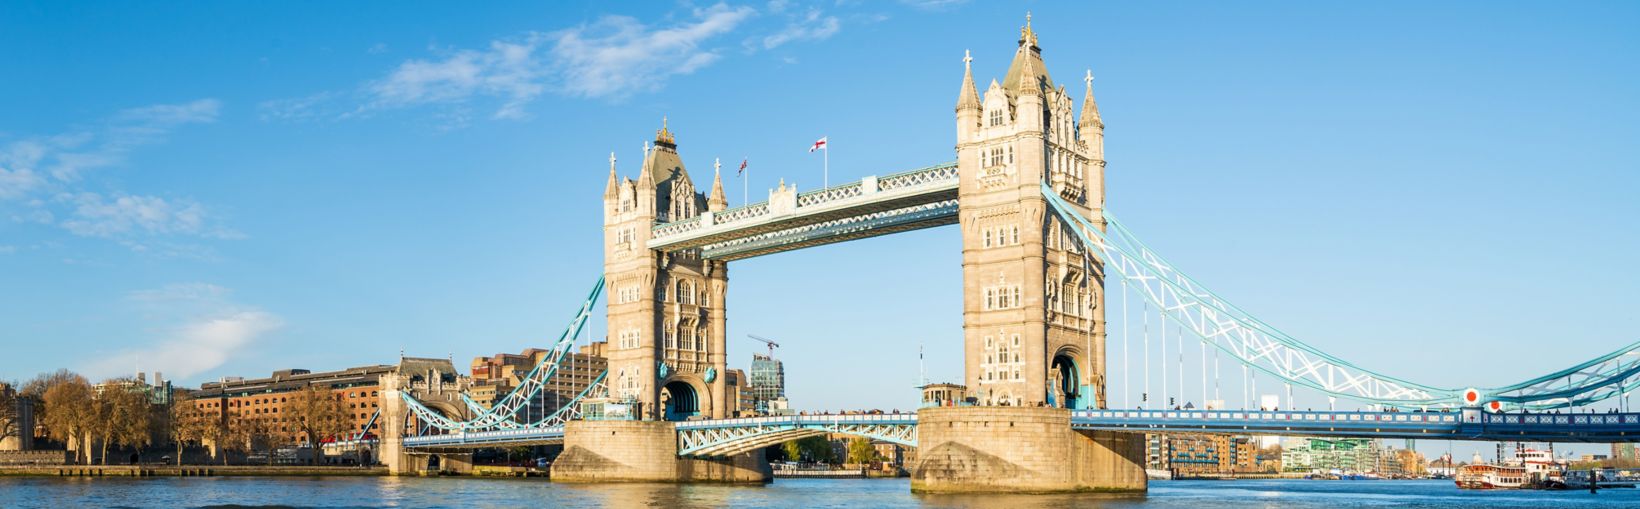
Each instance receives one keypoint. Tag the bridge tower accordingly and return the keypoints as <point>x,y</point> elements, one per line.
<point>1033,313</point>
<point>666,335</point>
<point>666,310</point>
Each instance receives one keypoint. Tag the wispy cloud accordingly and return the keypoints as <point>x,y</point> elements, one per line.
<point>808,26</point>
<point>97,216</point>
<point>619,55</point>
<point>933,5</point>
<point>44,176</point>
<point>611,57</point>
<point>509,70</point>
<point>200,328</point>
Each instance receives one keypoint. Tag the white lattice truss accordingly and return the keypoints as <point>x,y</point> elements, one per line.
<point>1254,343</point>
<point>890,201</point>
<point>734,436</point>
<point>504,413</point>
<point>1228,328</point>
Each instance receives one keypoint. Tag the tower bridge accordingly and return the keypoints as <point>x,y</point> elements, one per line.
<point>1040,251</point>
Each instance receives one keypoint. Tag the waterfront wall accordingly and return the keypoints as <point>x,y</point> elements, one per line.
<point>645,451</point>
<point>43,457</point>
<point>185,471</point>
<point>1021,450</point>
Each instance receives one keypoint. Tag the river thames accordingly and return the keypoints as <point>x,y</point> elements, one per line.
<point>890,493</point>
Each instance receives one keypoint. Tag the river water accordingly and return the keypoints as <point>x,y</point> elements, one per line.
<point>818,493</point>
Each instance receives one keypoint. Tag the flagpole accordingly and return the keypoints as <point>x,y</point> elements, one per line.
<point>745,177</point>
<point>825,170</point>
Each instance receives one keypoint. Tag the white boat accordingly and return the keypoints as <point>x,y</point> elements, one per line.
<point>1530,468</point>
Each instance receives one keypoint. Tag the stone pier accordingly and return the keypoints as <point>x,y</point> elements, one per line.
<point>645,451</point>
<point>1021,450</point>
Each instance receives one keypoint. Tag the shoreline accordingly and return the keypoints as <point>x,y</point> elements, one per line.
<point>140,471</point>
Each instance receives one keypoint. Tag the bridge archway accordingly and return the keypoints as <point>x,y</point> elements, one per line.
<point>707,439</point>
<point>680,400</point>
<point>1065,375</point>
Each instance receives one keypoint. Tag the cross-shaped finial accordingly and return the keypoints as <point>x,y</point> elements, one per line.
<point>967,58</point>
<point>1027,19</point>
<point>611,160</point>
<point>717,165</point>
<point>1089,78</point>
<point>663,121</point>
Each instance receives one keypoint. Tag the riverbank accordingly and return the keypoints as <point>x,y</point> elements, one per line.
<point>186,471</point>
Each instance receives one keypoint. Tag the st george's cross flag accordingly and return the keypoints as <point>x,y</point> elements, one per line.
<point>819,144</point>
<point>742,167</point>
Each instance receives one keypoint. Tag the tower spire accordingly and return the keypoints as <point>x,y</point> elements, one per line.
<point>609,189</point>
<point>969,97</point>
<point>1028,82</point>
<point>1090,108</point>
<point>718,201</point>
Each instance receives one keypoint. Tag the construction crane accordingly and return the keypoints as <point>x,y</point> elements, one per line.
<point>771,343</point>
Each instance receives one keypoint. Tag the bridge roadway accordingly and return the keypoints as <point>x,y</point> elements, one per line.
<point>873,206</point>
<point>726,437</point>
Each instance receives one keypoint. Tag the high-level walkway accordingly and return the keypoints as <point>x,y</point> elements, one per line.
<point>727,437</point>
<point>872,206</point>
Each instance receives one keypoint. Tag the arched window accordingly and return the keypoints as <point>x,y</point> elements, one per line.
<point>686,292</point>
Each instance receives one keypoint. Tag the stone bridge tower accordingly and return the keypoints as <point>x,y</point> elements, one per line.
<point>666,310</point>
<point>1033,303</point>
<point>1033,308</point>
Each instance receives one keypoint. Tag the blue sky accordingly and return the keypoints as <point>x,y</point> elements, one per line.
<point>1443,192</point>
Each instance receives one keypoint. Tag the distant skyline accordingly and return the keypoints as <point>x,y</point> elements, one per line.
<point>1441,192</point>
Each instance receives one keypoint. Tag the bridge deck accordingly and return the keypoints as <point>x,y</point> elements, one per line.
<point>721,437</point>
<point>1464,425</point>
<point>873,206</point>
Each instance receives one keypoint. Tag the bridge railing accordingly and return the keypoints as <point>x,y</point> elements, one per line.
<point>800,420</point>
<point>1277,416</point>
<point>485,436</point>
<point>1608,419</point>
<point>940,174</point>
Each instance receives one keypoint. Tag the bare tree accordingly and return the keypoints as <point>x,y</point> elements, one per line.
<point>68,409</point>
<point>236,435</point>
<point>215,430</point>
<point>185,422</point>
<point>133,418</point>
<point>317,413</point>
<point>10,425</point>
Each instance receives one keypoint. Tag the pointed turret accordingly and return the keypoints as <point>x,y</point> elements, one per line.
<point>969,97</point>
<point>1029,84</point>
<point>609,189</point>
<point>1090,108</point>
<point>1028,52</point>
<point>717,201</point>
<point>646,178</point>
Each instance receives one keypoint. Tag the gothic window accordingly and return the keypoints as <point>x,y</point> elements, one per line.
<point>1014,302</point>
<point>671,337</point>
<point>996,117</point>
<point>1013,234</point>
<point>1010,154</point>
<point>987,237</point>
<point>686,292</point>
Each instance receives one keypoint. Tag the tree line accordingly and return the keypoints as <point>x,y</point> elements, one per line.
<point>70,410</point>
